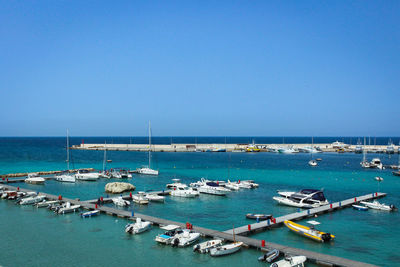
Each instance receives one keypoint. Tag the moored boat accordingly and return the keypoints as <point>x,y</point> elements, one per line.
<point>119,201</point>
<point>171,231</point>
<point>34,178</point>
<point>359,207</point>
<point>376,205</point>
<point>306,198</point>
<point>309,232</point>
<point>90,213</point>
<point>138,227</point>
<point>140,198</point>
<point>185,238</point>
<point>290,261</point>
<point>226,249</point>
<point>260,217</point>
<point>31,200</point>
<point>206,246</point>
<point>67,208</point>
<point>270,256</point>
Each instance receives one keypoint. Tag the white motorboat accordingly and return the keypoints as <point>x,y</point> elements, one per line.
<point>176,182</point>
<point>154,197</point>
<point>186,238</point>
<point>32,200</point>
<point>291,261</point>
<point>251,183</point>
<point>67,208</point>
<point>212,188</point>
<point>306,198</point>
<point>119,201</point>
<point>125,173</point>
<point>183,191</point>
<point>46,203</point>
<point>339,145</point>
<point>115,174</point>
<point>359,148</point>
<point>171,231</point>
<point>226,249</point>
<point>34,178</point>
<point>66,176</point>
<point>206,246</point>
<point>287,150</point>
<point>378,206</point>
<point>90,213</point>
<point>148,170</point>
<point>105,174</point>
<point>85,175</point>
<point>390,148</point>
<point>243,185</point>
<point>138,227</point>
<point>379,179</point>
<point>232,186</point>
<point>313,163</point>
<point>140,198</point>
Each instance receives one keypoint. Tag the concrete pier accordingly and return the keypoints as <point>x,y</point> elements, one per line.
<point>318,258</point>
<point>266,225</point>
<point>22,174</point>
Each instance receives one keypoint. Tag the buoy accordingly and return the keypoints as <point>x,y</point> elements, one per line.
<point>18,188</point>
<point>130,194</point>
<point>249,227</point>
<point>263,243</point>
<point>331,205</point>
<point>59,197</point>
<point>101,199</point>
<point>95,206</point>
<point>316,216</point>
<point>355,199</point>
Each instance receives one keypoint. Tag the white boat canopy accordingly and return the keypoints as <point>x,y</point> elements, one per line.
<point>170,227</point>
<point>312,222</point>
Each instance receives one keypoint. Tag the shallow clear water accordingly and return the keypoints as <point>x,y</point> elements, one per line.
<point>37,233</point>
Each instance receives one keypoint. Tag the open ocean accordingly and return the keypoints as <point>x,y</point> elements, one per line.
<point>37,237</point>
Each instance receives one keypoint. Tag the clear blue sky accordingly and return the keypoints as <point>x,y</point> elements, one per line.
<point>200,68</point>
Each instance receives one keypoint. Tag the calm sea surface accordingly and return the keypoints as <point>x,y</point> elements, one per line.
<point>37,237</point>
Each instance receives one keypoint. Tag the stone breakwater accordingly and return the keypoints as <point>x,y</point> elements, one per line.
<point>22,174</point>
<point>222,147</point>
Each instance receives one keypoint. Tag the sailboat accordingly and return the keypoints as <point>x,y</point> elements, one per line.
<point>66,176</point>
<point>148,170</point>
<point>398,167</point>
<point>105,174</point>
<point>312,162</point>
<point>227,249</point>
<point>364,163</point>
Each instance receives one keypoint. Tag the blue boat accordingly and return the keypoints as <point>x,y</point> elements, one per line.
<point>90,213</point>
<point>359,207</point>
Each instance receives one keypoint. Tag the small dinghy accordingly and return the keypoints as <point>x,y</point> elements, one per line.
<point>396,173</point>
<point>291,261</point>
<point>46,203</point>
<point>140,199</point>
<point>226,249</point>
<point>90,213</point>
<point>206,246</point>
<point>260,217</point>
<point>270,256</point>
<point>138,227</point>
<point>359,207</point>
<point>309,232</point>
<point>378,178</point>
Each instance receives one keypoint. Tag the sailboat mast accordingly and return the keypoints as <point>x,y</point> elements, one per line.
<point>105,156</point>
<point>149,144</point>
<point>312,146</point>
<point>364,150</point>
<point>67,150</point>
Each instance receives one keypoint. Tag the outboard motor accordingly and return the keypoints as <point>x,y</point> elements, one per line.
<point>326,237</point>
<point>175,242</point>
<point>196,247</point>
<point>393,207</point>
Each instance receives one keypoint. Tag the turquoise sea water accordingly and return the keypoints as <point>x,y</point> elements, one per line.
<point>32,235</point>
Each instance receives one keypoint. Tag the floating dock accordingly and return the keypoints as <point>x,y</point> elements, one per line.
<point>265,225</point>
<point>318,258</point>
<point>223,147</point>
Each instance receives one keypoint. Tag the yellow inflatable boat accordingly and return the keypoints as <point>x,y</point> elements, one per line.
<point>309,232</point>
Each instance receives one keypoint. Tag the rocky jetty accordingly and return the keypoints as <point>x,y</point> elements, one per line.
<point>117,187</point>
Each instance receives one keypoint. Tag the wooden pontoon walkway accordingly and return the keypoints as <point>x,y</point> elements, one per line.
<point>265,225</point>
<point>323,259</point>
